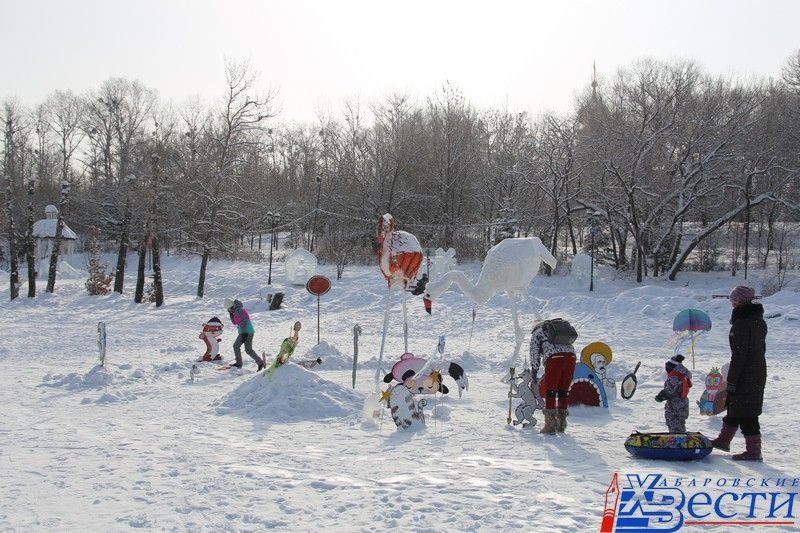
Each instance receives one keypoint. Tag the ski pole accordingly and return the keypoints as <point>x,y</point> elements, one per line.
<point>510,389</point>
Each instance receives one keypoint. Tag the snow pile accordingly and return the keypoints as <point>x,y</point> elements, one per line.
<point>115,384</point>
<point>294,394</point>
<point>649,300</point>
<point>181,348</point>
<point>332,358</point>
<point>67,271</point>
<point>111,397</point>
<point>441,412</point>
<point>96,378</point>
<point>472,362</point>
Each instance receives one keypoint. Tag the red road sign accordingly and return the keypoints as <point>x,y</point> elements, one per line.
<point>318,285</point>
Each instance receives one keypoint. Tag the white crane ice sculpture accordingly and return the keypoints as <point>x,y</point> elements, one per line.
<point>509,267</point>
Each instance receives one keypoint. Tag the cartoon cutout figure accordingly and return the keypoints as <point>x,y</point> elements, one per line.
<point>211,335</point>
<point>712,402</point>
<point>406,411</point>
<point>525,387</point>
<point>287,349</point>
<point>405,371</point>
<point>586,388</point>
<point>597,356</point>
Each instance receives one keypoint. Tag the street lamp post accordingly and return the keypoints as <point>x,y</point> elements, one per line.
<point>274,219</point>
<point>591,270</point>
<point>593,230</point>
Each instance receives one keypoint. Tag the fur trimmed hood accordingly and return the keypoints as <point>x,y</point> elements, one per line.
<point>747,311</point>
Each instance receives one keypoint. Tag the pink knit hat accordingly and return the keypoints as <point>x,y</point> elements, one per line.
<point>742,295</point>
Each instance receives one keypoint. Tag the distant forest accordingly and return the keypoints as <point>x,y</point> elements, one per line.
<point>660,164</point>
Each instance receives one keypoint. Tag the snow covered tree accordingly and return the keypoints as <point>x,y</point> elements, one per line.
<point>558,174</point>
<point>791,72</point>
<point>30,245</point>
<point>99,282</point>
<point>235,128</point>
<point>65,112</point>
<point>654,153</point>
<point>506,224</point>
<point>9,170</point>
<point>149,240</point>
<point>504,194</point>
<point>117,118</point>
<point>451,157</point>
<point>62,207</point>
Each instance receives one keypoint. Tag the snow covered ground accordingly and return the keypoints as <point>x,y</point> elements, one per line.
<point>140,445</point>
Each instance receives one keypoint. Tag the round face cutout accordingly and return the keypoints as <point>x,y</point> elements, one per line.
<point>593,349</point>
<point>598,363</point>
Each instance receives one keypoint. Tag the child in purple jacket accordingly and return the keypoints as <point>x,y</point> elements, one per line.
<point>241,319</point>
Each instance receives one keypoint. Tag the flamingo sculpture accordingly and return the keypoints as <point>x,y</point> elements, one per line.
<point>399,257</point>
<point>509,267</point>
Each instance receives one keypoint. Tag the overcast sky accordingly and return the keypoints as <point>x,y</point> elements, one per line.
<point>527,55</point>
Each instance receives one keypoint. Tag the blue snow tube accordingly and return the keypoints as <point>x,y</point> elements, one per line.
<point>668,446</point>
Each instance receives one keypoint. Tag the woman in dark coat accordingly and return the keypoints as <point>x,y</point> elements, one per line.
<point>747,374</point>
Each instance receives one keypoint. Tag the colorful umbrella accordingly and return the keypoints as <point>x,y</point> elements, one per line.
<point>691,320</point>
<point>691,323</point>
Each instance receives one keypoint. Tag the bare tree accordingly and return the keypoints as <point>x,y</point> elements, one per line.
<point>237,125</point>
<point>791,72</point>
<point>554,148</point>
<point>452,157</point>
<point>643,110</point>
<point>65,112</point>
<point>118,116</point>
<point>30,243</point>
<point>11,115</point>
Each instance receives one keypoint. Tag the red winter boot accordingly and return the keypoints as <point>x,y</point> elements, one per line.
<point>752,451</point>
<point>723,441</point>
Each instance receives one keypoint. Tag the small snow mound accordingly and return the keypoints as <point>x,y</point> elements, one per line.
<point>101,378</point>
<point>178,348</point>
<point>649,310</point>
<point>332,358</point>
<point>65,270</point>
<point>97,378</point>
<point>294,394</point>
<point>138,521</point>
<point>441,412</point>
<point>109,397</point>
<point>167,367</point>
<point>470,362</point>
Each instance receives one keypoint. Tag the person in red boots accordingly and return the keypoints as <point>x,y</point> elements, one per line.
<point>747,375</point>
<point>551,348</point>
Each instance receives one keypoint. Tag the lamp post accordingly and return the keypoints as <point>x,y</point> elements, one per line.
<point>593,230</point>
<point>274,219</point>
<point>316,212</point>
<point>591,269</point>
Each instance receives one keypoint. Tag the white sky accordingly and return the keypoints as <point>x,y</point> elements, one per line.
<point>529,55</point>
